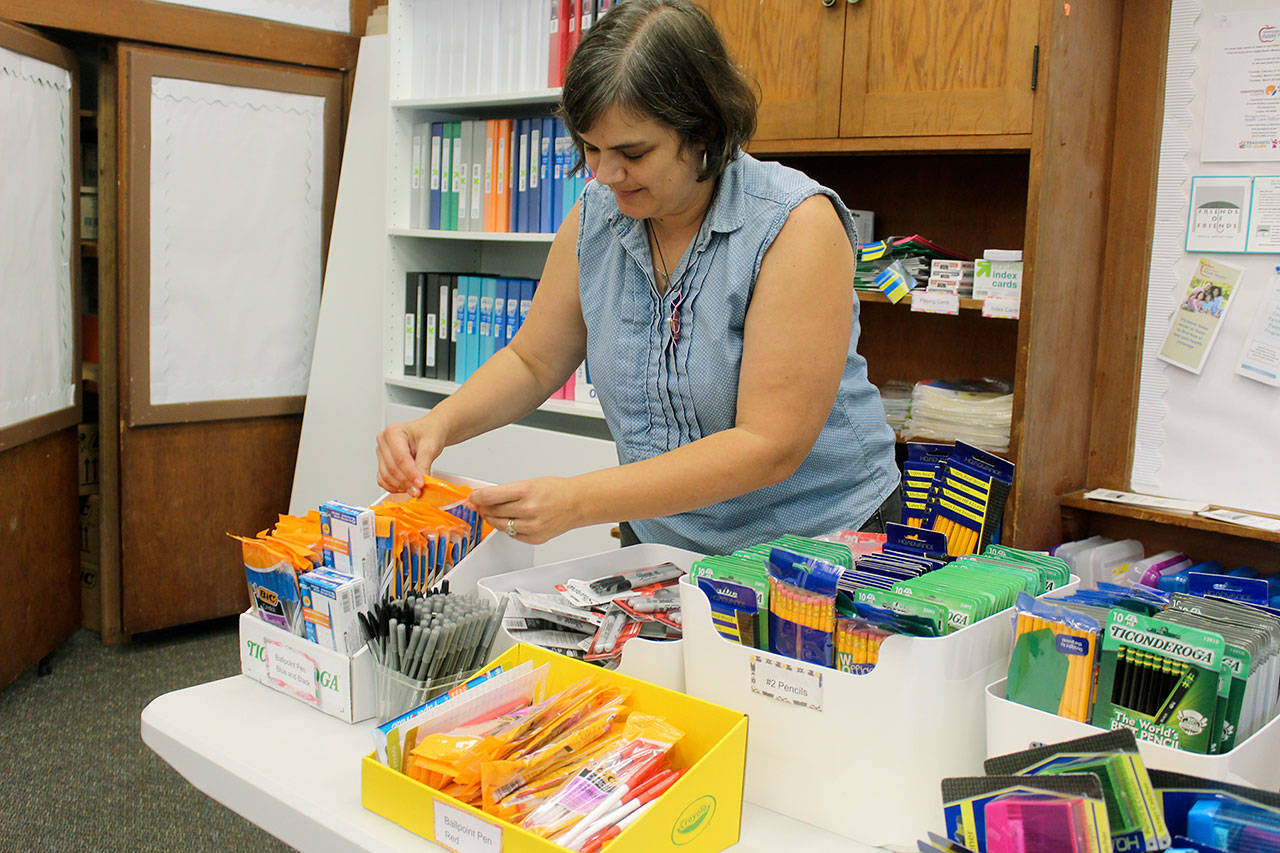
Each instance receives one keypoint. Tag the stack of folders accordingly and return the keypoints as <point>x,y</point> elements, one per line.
<point>975,411</point>
<point>453,323</point>
<point>914,256</point>
<point>511,175</point>
<point>488,47</point>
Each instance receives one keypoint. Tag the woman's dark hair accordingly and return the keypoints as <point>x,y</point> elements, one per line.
<point>662,59</point>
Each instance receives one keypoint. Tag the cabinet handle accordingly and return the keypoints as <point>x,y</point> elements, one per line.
<point>828,3</point>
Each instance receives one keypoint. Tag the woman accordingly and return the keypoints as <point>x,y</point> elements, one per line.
<point>712,296</point>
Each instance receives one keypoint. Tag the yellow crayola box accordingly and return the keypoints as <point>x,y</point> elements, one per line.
<point>700,812</point>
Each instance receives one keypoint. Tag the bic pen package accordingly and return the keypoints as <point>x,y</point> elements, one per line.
<point>421,539</point>
<point>1160,680</point>
<point>1134,812</point>
<point>1020,814</point>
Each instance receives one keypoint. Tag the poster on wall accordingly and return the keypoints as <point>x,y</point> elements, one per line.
<point>1199,315</point>
<point>1242,119</point>
<point>1260,356</point>
<point>1218,218</point>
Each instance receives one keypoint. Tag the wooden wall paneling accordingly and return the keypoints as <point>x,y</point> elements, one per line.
<point>40,570</point>
<point>110,330</point>
<point>183,488</point>
<point>185,26</point>
<point>360,11</point>
<point>1066,225</point>
<point>1122,315</point>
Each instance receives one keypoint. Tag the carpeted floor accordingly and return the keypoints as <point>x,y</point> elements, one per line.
<point>74,772</point>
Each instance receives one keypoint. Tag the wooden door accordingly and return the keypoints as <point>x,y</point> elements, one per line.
<point>39,349</point>
<point>938,67</point>
<point>792,48</point>
<point>196,466</point>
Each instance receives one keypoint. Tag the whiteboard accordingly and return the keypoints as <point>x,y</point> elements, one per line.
<point>321,14</point>
<point>1213,437</point>
<point>237,187</point>
<point>37,336</point>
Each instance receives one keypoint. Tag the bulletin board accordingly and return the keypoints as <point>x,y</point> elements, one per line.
<point>234,193</point>
<point>1208,414</point>
<point>39,239</point>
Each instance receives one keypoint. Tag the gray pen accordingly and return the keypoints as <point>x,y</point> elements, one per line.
<point>413,655</point>
<point>392,659</point>
<point>401,646</point>
<point>429,637</point>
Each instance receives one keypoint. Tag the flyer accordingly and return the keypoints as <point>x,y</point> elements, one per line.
<point>1260,356</point>
<point>1218,218</point>
<point>1242,119</point>
<point>1199,315</point>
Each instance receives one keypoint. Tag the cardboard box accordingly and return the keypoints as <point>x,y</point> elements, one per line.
<point>87,451</point>
<point>659,662</point>
<point>858,755</point>
<point>1012,727</point>
<point>997,278</point>
<point>330,602</point>
<point>334,683</point>
<point>701,812</point>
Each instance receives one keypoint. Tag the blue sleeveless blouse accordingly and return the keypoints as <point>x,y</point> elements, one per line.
<point>658,394</point>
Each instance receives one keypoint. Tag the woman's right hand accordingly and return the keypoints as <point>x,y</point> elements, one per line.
<point>406,452</point>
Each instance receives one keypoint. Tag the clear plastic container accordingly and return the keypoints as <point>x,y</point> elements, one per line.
<point>1108,562</point>
<point>397,693</point>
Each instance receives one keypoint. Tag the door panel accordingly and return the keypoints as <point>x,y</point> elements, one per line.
<point>192,471</point>
<point>938,67</point>
<point>792,48</point>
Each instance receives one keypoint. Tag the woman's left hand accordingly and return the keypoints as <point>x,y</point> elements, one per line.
<point>532,511</point>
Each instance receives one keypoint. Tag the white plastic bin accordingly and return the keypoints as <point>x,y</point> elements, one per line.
<point>1012,727</point>
<point>865,757</point>
<point>659,662</point>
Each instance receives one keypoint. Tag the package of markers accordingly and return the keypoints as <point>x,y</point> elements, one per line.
<point>1014,814</point>
<point>971,498</point>
<point>802,605</point>
<point>1160,680</point>
<point>1135,816</point>
<point>1053,660</point>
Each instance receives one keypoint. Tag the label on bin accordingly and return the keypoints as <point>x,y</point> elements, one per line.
<point>463,832</point>
<point>787,681</point>
<point>294,672</point>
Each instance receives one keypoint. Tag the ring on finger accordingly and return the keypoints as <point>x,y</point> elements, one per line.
<point>511,527</point>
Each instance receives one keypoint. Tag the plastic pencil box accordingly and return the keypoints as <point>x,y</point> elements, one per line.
<point>659,662</point>
<point>341,685</point>
<point>701,812</point>
<point>824,745</point>
<point>1255,762</point>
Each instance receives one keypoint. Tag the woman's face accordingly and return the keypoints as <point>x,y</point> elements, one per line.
<point>651,173</point>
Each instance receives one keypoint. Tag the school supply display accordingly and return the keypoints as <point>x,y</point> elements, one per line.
<point>593,619</point>
<point>895,396</point>
<point>910,256</point>
<point>1204,814</point>
<point>1193,670</point>
<point>975,411</point>
<point>513,175</point>
<point>423,645</point>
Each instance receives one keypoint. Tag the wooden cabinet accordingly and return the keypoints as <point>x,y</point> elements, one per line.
<point>880,68</point>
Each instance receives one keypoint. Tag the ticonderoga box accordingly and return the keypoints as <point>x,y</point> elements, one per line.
<point>1159,680</point>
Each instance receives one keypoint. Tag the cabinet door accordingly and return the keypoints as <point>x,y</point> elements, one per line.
<point>938,67</point>
<point>792,48</point>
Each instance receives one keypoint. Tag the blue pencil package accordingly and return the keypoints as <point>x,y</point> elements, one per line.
<point>802,607</point>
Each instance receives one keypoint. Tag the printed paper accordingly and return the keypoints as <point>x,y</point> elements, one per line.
<point>1198,317</point>
<point>1260,357</point>
<point>1242,119</point>
<point>1217,220</point>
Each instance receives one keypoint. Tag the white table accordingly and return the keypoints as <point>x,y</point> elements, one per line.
<point>295,772</point>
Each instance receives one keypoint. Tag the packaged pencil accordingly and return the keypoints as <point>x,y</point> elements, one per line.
<point>802,600</point>
<point>1054,656</point>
